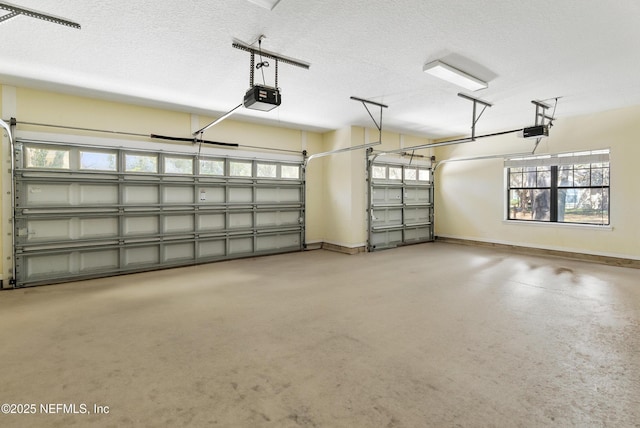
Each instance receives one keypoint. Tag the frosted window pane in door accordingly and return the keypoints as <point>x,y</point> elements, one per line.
<point>395,173</point>
<point>240,169</point>
<point>267,170</point>
<point>379,172</point>
<point>290,171</point>
<point>410,174</point>
<point>98,161</point>
<point>178,166</point>
<point>46,158</point>
<point>211,167</point>
<point>141,163</point>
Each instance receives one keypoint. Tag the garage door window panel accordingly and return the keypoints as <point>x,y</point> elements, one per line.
<point>178,165</point>
<point>211,167</point>
<point>46,158</point>
<point>98,161</point>
<point>290,172</point>
<point>141,163</point>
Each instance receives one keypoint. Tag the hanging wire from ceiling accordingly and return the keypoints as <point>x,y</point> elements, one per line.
<point>200,144</point>
<point>262,64</point>
<point>553,115</point>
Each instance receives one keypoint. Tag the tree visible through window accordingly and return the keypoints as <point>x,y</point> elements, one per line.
<point>141,163</point>
<point>46,158</point>
<point>567,188</point>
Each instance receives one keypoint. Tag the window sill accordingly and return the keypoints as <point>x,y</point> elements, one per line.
<point>560,225</point>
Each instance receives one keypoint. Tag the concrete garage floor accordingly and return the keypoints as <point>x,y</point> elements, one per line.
<point>433,335</point>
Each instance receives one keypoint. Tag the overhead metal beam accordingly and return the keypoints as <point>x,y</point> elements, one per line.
<point>477,100</point>
<point>540,104</point>
<point>362,100</point>
<point>448,142</point>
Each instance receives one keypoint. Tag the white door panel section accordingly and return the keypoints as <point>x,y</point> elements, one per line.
<point>212,249</point>
<point>85,212</point>
<point>387,195</point>
<point>240,245</point>
<point>92,261</point>
<point>278,218</point>
<point>98,227</point>
<point>211,195</point>
<point>43,194</point>
<point>47,265</point>
<point>182,251</point>
<point>149,255</point>
<point>400,204</point>
<point>268,194</point>
<point>178,223</point>
<point>240,220</point>
<point>417,234</point>
<point>386,238</point>
<point>413,215</point>
<point>92,194</point>
<point>140,195</point>
<point>417,195</point>
<point>208,222</point>
<point>177,195</point>
<point>240,194</point>
<point>136,226</point>
<point>285,240</point>
<point>48,230</point>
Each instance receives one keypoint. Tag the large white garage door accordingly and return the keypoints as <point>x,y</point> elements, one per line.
<point>85,212</point>
<point>400,204</point>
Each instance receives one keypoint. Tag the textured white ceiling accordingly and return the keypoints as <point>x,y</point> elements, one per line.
<point>178,54</point>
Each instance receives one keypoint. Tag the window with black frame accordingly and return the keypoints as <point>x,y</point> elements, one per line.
<point>563,188</point>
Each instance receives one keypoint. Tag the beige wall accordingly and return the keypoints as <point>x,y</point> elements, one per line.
<point>471,198</point>
<point>338,197</point>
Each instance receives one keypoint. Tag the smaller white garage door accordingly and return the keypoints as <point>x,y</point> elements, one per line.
<point>400,204</point>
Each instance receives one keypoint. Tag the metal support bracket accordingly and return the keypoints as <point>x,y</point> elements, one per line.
<point>474,117</point>
<point>378,124</point>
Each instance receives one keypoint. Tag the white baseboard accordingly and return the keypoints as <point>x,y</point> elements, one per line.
<point>570,252</point>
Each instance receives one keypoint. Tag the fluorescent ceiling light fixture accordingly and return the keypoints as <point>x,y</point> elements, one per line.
<point>453,75</point>
<point>267,4</point>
